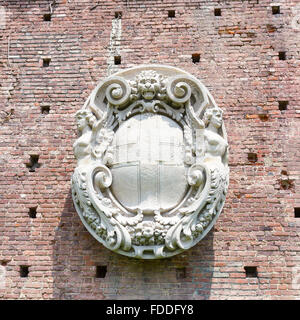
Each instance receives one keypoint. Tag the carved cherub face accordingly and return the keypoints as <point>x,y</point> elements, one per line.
<point>213,117</point>
<point>84,118</point>
<point>216,118</point>
<point>81,121</point>
<point>148,83</point>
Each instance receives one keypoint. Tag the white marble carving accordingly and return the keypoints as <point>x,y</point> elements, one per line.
<point>152,171</point>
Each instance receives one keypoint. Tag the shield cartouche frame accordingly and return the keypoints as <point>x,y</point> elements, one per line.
<point>152,162</point>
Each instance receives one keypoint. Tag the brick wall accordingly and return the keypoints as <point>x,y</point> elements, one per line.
<point>52,255</point>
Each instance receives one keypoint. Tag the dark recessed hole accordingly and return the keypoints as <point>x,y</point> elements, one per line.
<point>46,62</point>
<point>171,13</point>
<point>32,212</point>
<point>45,109</point>
<point>282,105</point>
<point>24,271</point>
<point>33,164</point>
<point>297,212</point>
<point>267,228</point>
<point>284,172</point>
<point>4,263</point>
<point>251,272</point>
<point>180,273</point>
<point>218,12</point>
<point>282,55</point>
<point>117,60</point>
<point>271,28</point>
<point>101,271</point>
<point>275,9</point>
<point>196,57</point>
<point>263,117</point>
<point>286,184</point>
<point>118,14</point>
<point>47,17</point>
<point>252,157</point>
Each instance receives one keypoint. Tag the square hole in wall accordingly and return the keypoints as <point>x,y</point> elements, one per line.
<point>282,55</point>
<point>266,228</point>
<point>45,109</point>
<point>282,105</point>
<point>46,62</point>
<point>47,17</point>
<point>218,12</point>
<point>24,271</point>
<point>118,15</point>
<point>263,116</point>
<point>297,212</point>
<point>32,212</point>
<point>101,271</point>
<point>117,60</point>
<point>180,273</point>
<point>275,9</point>
<point>171,13</point>
<point>196,57</point>
<point>251,272</point>
<point>33,163</point>
<point>252,157</point>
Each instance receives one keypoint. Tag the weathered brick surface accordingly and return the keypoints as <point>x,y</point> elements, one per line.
<point>240,66</point>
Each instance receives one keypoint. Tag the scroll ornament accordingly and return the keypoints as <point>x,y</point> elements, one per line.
<point>152,162</point>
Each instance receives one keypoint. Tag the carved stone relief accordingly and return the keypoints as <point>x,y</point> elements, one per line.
<point>152,170</point>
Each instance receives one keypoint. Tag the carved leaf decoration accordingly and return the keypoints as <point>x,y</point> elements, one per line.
<point>122,237</point>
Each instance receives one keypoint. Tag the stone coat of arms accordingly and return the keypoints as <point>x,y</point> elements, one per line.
<point>152,171</point>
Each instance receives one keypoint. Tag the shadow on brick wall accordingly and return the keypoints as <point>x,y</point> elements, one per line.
<point>76,255</point>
